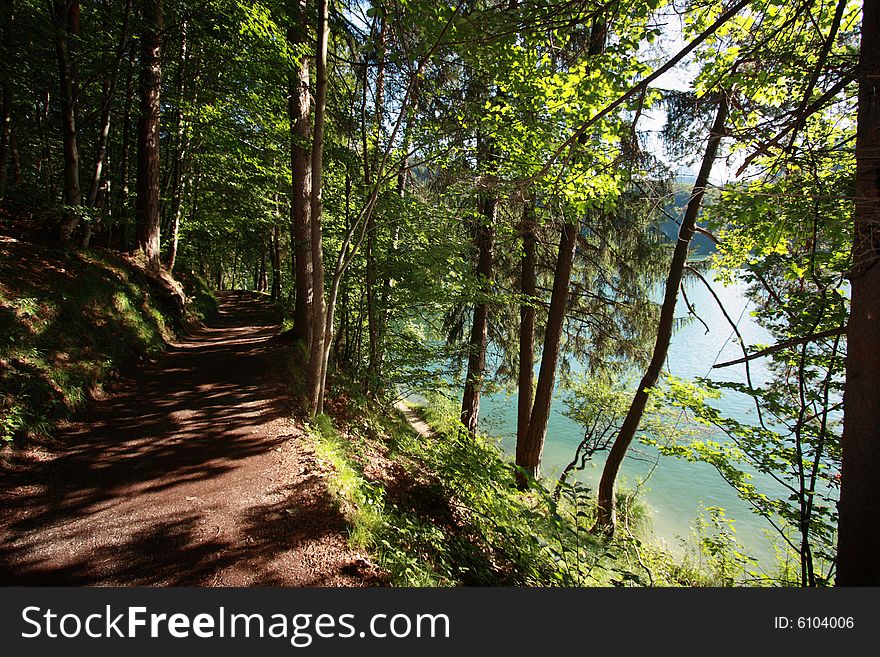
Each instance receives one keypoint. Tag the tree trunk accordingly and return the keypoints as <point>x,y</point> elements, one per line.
<point>179,154</point>
<point>402,178</point>
<point>147,206</point>
<point>6,50</point>
<point>108,87</point>
<point>301,181</point>
<point>858,544</point>
<point>275,294</point>
<point>125,152</point>
<point>315,376</point>
<point>532,426</point>
<point>529,454</point>
<point>605,503</point>
<point>66,23</point>
<point>527,315</point>
<point>370,282</point>
<point>264,271</point>
<point>176,216</point>
<point>484,238</point>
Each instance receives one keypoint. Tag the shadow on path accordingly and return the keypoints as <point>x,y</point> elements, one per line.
<point>189,474</point>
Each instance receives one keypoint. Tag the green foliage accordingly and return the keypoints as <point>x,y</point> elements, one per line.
<point>718,552</point>
<point>359,500</point>
<point>440,509</point>
<point>202,302</point>
<point>439,512</point>
<point>478,100</point>
<point>71,322</point>
<point>788,236</point>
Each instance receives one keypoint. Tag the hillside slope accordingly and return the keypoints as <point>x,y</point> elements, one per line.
<point>71,321</point>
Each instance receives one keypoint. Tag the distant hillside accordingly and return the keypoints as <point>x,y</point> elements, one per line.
<point>701,246</point>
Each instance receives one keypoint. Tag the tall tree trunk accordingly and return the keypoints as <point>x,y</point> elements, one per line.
<point>531,437</point>
<point>402,177</point>
<point>65,20</point>
<point>275,294</point>
<point>6,51</point>
<point>176,216</point>
<point>484,239</point>
<point>108,87</point>
<point>125,152</point>
<point>527,315</point>
<point>264,270</point>
<point>147,206</point>
<point>301,179</point>
<point>529,454</point>
<point>370,281</point>
<point>317,369</point>
<point>858,544</point>
<point>179,153</point>
<point>605,503</point>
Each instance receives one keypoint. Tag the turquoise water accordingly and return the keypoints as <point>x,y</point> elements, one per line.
<point>676,490</point>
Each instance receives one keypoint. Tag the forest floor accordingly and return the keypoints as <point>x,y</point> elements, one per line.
<point>190,472</point>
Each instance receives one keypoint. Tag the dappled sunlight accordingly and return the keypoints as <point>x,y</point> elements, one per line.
<point>143,491</point>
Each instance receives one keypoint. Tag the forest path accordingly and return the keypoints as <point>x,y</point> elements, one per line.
<point>189,473</point>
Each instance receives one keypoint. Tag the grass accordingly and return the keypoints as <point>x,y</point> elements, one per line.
<point>442,510</point>
<point>70,322</point>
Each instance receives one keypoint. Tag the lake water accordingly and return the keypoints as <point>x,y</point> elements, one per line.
<point>676,490</point>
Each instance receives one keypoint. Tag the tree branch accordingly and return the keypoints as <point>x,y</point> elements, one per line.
<point>785,345</point>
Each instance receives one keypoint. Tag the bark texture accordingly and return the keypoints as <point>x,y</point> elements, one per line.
<point>858,550</point>
<point>65,18</point>
<point>605,503</point>
<point>316,374</point>
<point>147,203</point>
<point>484,238</point>
<point>530,452</point>
<point>527,321</point>
<point>301,179</point>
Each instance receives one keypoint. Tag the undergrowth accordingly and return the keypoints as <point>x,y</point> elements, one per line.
<point>70,321</point>
<point>442,509</point>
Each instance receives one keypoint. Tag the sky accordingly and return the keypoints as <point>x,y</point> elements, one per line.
<point>678,78</point>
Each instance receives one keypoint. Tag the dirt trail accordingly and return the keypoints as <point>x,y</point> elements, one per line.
<point>189,473</point>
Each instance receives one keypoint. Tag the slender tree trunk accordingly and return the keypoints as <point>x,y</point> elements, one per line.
<point>315,376</point>
<point>176,216</point>
<point>858,543</point>
<point>147,207</point>
<point>484,239</point>
<point>103,135</point>
<point>276,263</point>
<point>45,174</point>
<point>108,88</point>
<point>16,161</point>
<point>301,179</point>
<point>531,437</point>
<point>179,154</point>
<point>529,456</point>
<point>528,316</point>
<point>370,282</point>
<point>6,50</point>
<point>265,250</point>
<point>402,177</point>
<point>66,23</point>
<point>125,152</point>
<point>605,503</point>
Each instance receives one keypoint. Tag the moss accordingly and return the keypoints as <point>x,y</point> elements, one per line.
<point>68,323</point>
<point>203,301</point>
